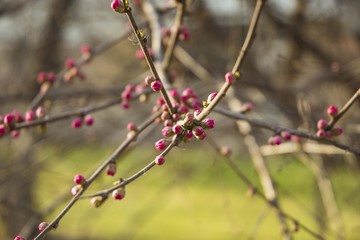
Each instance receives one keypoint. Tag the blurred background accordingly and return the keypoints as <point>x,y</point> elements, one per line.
<point>305,56</point>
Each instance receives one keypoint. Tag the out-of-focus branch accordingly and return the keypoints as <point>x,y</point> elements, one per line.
<point>53,224</point>
<point>256,191</point>
<point>259,164</point>
<point>275,128</point>
<point>316,165</point>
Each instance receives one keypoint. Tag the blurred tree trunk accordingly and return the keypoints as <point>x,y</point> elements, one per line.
<point>17,202</point>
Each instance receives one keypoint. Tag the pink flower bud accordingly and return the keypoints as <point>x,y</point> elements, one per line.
<point>320,133</point>
<point>125,104</point>
<point>329,134</point>
<point>295,138</point>
<point>198,131</point>
<point>2,130</point>
<point>225,151</point>
<point>111,169</point>
<point>322,124</point>
<point>229,78</point>
<point>42,226</point>
<point>174,94</point>
<point>97,201</point>
<point>79,179</point>
<point>189,135</point>
<point>86,51</point>
<point>168,123</point>
<point>126,95</point>
<point>118,194</point>
<point>183,109</point>
<point>188,92</point>
<point>69,63</point>
<point>51,77</point>
<point>167,132</point>
<point>148,80</point>
<point>189,118</point>
<point>161,144</point>
<point>159,160</point>
<point>40,112</point>
<point>184,34</point>
<point>15,133</point>
<point>160,101</point>
<point>286,135</point>
<point>275,140</point>
<point>201,137</point>
<point>77,122</point>
<point>247,107</point>
<point>177,129</point>
<point>89,120</point>
<point>19,238</point>
<point>165,115</point>
<point>176,117</point>
<point>337,131</point>
<point>9,118</point>
<point>118,6</point>
<point>211,97</point>
<point>156,85</point>
<point>41,77</point>
<point>332,110</point>
<point>75,189</point>
<point>131,127</point>
<point>208,123</point>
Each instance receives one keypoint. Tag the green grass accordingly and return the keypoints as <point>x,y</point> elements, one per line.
<point>194,195</point>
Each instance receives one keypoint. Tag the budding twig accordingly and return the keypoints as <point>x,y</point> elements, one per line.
<point>89,181</point>
<point>148,59</point>
<point>344,109</point>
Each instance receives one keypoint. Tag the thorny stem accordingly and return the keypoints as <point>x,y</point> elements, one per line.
<point>278,129</point>
<point>88,182</point>
<point>257,192</point>
<point>344,109</point>
<point>149,60</point>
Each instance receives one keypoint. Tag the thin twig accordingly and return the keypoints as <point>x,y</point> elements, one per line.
<point>275,128</point>
<point>180,13</point>
<point>102,47</point>
<point>344,109</point>
<point>88,182</point>
<point>148,59</point>
<point>257,192</point>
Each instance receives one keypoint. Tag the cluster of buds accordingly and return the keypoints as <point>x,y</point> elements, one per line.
<point>182,121</point>
<point>184,34</point>
<point>46,79</point>
<point>277,139</point>
<point>79,180</point>
<point>128,92</point>
<point>9,120</point>
<point>324,130</point>
<point>79,121</point>
<point>72,71</point>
